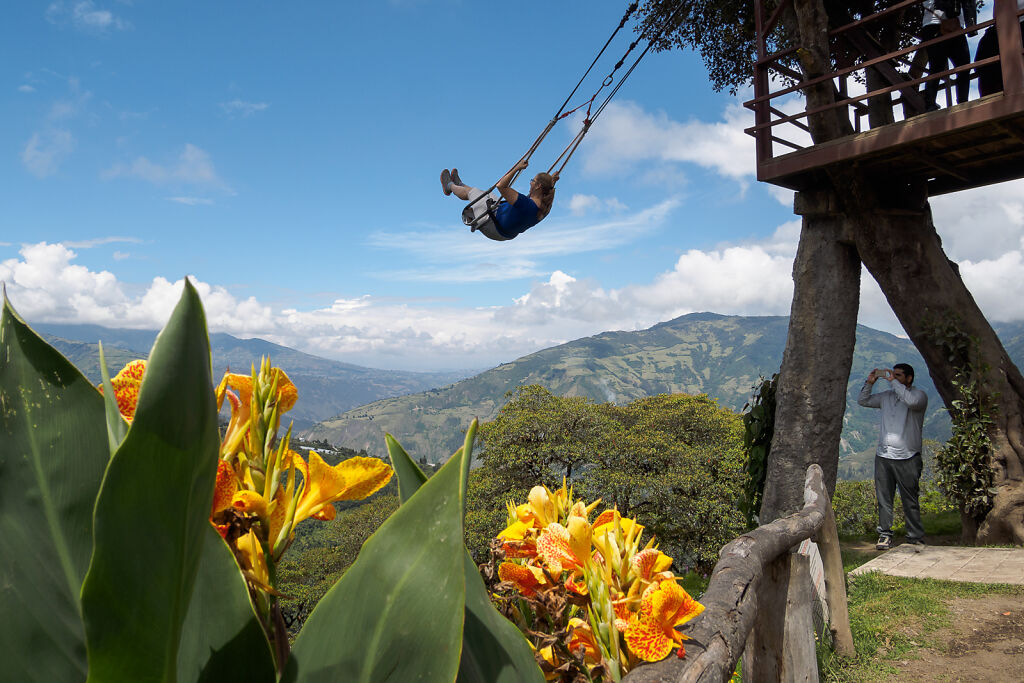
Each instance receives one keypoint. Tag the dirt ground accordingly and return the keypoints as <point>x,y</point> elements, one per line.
<point>984,643</point>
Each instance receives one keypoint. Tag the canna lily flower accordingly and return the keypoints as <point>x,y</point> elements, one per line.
<point>225,488</point>
<point>352,479</point>
<point>651,634</point>
<point>525,578</point>
<point>649,564</point>
<point>126,385</point>
<point>543,506</point>
<point>254,561</point>
<point>555,547</point>
<point>583,636</point>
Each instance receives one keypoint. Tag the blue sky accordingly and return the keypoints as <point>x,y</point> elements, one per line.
<point>286,157</point>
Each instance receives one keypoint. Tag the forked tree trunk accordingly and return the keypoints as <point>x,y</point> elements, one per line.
<point>898,244</point>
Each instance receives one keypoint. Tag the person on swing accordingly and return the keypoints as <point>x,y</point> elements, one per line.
<point>517,214</point>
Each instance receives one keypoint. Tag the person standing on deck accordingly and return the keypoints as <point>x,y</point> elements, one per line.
<point>898,460</point>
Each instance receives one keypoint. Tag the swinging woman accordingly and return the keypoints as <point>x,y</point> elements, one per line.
<point>503,220</point>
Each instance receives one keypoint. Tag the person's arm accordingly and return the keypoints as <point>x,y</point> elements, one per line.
<point>507,193</point>
<point>914,398</point>
<point>866,399</point>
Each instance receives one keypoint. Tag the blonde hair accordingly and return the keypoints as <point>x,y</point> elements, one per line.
<point>546,185</point>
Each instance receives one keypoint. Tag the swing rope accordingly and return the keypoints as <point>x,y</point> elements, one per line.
<point>588,119</point>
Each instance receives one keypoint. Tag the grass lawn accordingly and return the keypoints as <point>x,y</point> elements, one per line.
<point>892,617</point>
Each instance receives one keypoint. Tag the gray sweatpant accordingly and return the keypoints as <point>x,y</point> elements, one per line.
<point>904,474</point>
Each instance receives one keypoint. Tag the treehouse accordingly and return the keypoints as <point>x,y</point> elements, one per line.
<point>879,68</point>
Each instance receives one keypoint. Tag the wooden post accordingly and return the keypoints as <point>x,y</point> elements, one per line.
<point>835,585</point>
<point>1010,58</point>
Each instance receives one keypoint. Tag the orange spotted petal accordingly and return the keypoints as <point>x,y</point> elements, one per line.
<point>553,545</point>
<point>670,605</point>
<point>520,575</point>
<point>606,517</point>
<point>126,388</point>
<point>648,640</point>
<point>225,488</point>
<point>583,637</point>
<point>287,394</point>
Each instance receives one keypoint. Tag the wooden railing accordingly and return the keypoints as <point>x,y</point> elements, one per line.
<point>719,636</point>
<point>856,47</point>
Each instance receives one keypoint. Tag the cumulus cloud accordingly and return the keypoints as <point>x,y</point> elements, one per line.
<point>85,16</point>
<point>192,167</point>
<point>237,107</point>
<point>626,134</point>
<point>46,150</point>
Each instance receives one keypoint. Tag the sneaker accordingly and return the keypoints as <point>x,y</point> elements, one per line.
<point>915,541</point>
<point>455,177</point>
<point>884,543</point>
<point>446,179</point>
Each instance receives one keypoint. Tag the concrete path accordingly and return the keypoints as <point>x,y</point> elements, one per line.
<point>950,563</point>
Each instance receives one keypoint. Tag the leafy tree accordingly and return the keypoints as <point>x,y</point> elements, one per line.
<point>673,461</point>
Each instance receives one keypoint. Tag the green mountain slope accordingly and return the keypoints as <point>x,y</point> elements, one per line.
<point>326,387</point>
<point>721,356</point>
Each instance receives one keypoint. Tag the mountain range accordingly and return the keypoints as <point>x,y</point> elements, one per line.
<point>721,356</point>
<point>326,387</point>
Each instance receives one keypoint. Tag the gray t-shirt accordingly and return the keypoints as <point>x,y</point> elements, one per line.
<point>899,426</point>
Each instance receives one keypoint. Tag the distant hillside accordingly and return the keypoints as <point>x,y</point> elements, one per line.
<point>722,356</point>
<point>326,387</point>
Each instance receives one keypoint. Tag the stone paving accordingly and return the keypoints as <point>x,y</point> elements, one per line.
<point>950,563</point>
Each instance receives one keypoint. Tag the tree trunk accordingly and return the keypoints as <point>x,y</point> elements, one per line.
<point>811,397</point>
<point>899,246</point>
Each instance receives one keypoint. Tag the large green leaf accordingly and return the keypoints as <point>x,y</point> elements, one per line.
<point>396,614</point>
<point>53,450</point>
<point>153,510</point>
<point>493,649</point>
<point>222,639</point>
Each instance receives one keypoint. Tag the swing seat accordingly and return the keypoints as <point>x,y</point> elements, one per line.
<point>479,212</point>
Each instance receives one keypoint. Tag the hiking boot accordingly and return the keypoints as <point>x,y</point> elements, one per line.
<point>455,177</point>
<point>884,542</point>
<point>446,180</point>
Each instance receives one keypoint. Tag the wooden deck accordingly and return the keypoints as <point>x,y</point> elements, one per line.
<point>965,146</point>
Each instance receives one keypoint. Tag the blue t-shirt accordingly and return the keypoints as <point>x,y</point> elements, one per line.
<point>514,219</point>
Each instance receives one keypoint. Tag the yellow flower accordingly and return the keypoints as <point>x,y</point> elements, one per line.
<point>543,505</point>
<point>352,479</point>
<point>555,547</point>
<point>651,634</point>
<point>525,578</point>
<point>224,490</point>
<point>253,560</point>
<point>126,388</point>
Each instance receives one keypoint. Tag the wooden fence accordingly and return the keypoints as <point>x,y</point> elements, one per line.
<point>779,642</point>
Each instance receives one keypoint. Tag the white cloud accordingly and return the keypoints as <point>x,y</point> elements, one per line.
<point>237,107</point>
<point>626,135</point>
<point>192,167</point>
<point>46,150</point>
<point>85,16</point>
<point>25,87</point>
<point>121,255</point>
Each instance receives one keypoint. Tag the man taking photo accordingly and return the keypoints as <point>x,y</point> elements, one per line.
<point>898,456</point>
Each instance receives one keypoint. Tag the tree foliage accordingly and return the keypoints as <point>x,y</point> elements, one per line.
<point>673,461</point>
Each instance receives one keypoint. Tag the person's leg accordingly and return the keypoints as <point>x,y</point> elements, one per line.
<point>908,478</point>
<point>936,63</point>
<point>462,192</point>
<point>885,491</point>
<point>960,54</point>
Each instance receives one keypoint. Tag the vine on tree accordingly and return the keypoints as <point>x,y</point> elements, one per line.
<point>964,463</point>
<point>758,430</point>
